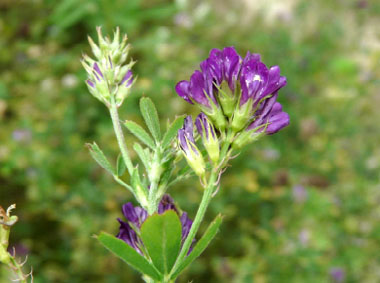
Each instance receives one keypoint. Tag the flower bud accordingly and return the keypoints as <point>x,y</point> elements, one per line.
<point>190,150</point>
<point>210,140</point>
<point>108,79</point>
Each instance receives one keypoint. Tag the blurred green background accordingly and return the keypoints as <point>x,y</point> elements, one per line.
<point>300,206</point>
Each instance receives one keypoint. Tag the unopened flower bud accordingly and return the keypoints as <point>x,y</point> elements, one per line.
<point>189,148</point>
<point>108,79</point>
<point>209,138</point>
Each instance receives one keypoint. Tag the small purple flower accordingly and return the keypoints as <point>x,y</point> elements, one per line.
<point>186,137</point>
<point>135,216</point>
<point>269,118</point>
<point>187,144</point>
<point>337,274</point>
<point>204,127</point>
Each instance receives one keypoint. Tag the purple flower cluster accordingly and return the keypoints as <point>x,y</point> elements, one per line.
<point>241,86</point>
<point>136,216</point>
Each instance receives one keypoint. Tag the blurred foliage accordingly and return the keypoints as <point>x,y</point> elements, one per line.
<point>298,204</point>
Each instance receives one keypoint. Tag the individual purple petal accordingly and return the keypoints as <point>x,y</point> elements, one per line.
<point>128,235</point>
<point>277,122</point>
<point>183,90</point>
<point>165,204</point>
<point>215,65</point>
<point>203,126</point>
<point>127,79</point>
<point>231,66</point>
<point>188,128</point>
<point>98,73</point>
<point>135,215</point>
<point>90,83</point>
<point>275,81</point>
<point>182,140</point>
<point>275,118</point>
<point>253,80</point>
<point>186,225</point>
<point>186,137</point>
<point>197,88</point>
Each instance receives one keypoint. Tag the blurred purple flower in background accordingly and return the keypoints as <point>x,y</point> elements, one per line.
<point>135,216</point>
<point>299,193</point>
<point>337,274</point>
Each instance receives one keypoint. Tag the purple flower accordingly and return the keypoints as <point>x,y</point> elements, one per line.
<point>135,217</point>
<point>204,127</point>
<point>299,193</point>
<point>269,118</point>
<point>257,83</point>
<point>337,274</point>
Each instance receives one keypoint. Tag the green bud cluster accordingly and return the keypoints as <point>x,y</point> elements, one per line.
<point>109,76</point>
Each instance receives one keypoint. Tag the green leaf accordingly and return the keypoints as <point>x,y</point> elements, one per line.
<point>120,166</point>
<point>149,112</point>
<point>129,255</point>
<point>172,131</point>
<point>143,154</point>
<point>161,235</point>
<point>200,246</point>
<point>140,133</point>
<point>100,158</point>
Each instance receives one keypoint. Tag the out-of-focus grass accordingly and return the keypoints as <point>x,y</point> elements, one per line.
<point>297,204</point>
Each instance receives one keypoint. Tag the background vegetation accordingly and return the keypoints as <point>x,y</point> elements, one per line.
<point>299,206</point>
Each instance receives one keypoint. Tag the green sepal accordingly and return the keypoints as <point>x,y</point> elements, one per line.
<point>149,112</point>
<point>172,131</point>
<point>242,116</point>
<point>201,245</point>
<point>227,99</point>
<point>140,133</point>
<point>128,255</point>
<point>216,116</point>
<point>161,235</point>
<point>100,158</point>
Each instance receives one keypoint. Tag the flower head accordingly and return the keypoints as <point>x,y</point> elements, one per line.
<point>244,91</point>
<point>135,217</point>
<point>108,75</point>
<point>189,148</point>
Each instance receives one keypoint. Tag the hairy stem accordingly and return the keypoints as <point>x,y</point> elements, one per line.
<point>120,136</point>
<point>17,269</point>
<point>207,195</point>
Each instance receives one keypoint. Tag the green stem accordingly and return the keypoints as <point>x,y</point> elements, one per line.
<point>152,198</point>
<point>154,177</point>
<point>17,268</point>
<point>207,195</point>
<point>120,136</point>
